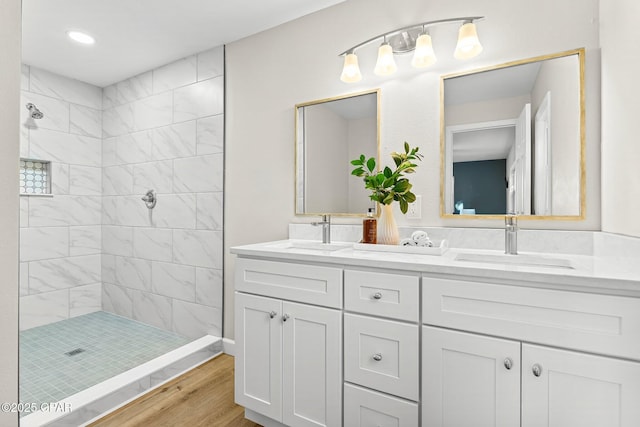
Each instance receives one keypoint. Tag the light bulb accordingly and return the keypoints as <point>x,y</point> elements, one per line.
<point>351,70</point>
<point>468,44</point>
<point>424,54</point>
<point>385,65</point>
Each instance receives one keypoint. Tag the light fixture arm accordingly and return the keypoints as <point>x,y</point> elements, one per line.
<point>423,25</point>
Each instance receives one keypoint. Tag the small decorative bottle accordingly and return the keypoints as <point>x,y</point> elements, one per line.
<point>370,228</point>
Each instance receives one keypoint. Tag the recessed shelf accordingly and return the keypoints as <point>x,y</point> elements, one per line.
<point>35,177</point>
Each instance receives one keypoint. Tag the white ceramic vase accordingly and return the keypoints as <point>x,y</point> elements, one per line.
<point>387,227</point>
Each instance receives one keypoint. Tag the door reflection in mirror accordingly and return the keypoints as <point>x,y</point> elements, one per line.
<point>513,138</point>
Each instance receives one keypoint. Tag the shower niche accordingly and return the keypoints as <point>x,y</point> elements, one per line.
<point>35,177</point>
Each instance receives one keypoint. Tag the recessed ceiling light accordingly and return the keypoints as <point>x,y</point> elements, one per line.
<point>81,37</point>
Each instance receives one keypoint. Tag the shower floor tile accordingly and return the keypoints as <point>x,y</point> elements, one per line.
<point>100,346</point>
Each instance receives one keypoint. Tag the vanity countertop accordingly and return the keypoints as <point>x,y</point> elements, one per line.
<point>601,274</point>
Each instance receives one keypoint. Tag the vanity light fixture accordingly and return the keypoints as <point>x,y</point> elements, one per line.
<point>412,38</point>
<point>80,37</point>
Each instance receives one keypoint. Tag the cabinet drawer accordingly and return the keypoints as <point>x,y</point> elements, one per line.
<point>365,408</point>
<point>382,294</point>
<point>594,323</point>
<point>381,354</point>
<point>296,282</point>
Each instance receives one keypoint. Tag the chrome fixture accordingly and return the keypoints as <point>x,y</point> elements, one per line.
<point>377,295</point>
<point>377,357</point>
<point>34,112</point>
<point>326,228</point>
<point>511,234</point>
<point>537,370</point>
<point>508,363</point>
<point>150,199</point>
<point>415,38</point>
<point>273,314</point>
<point>285,317</point>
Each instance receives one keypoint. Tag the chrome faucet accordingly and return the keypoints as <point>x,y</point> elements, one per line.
<point>511,234</point>
<point>326,228</point>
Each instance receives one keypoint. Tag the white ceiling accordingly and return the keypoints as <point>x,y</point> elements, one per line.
<point>486,144</point>
<point>499,83</point>
<point>133,36</point>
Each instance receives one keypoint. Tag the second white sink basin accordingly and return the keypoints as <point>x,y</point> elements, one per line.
<point>522,259</point>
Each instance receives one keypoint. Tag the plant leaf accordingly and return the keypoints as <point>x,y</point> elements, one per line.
<point>356,162</point>
<point>404,206</point>
<point>371,164</point>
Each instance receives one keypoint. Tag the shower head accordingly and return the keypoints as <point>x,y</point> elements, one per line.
<point>34,112</point>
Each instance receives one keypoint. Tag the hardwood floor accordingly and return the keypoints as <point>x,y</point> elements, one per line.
<point>201,397</point>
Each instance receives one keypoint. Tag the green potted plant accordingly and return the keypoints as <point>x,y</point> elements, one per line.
<point>388,185</point>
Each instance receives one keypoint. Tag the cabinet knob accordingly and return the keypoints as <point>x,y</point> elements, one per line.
<point>508,363</point>
<point>537,370</point>
<point>377,357</point>
<point>272,314</point>
<point>285,317</point>
<point>377,295</point>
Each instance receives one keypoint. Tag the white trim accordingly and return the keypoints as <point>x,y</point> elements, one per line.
<point>229,346</point>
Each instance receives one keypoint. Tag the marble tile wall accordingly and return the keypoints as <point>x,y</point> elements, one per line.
<point>60,249</point>
<point>163,130</point>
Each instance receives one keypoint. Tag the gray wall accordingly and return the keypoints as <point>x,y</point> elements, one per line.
<point>620,112</point>
<point>9,223</point>
<point>261,100</point>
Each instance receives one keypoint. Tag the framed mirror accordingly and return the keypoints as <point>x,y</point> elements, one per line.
<point>329,134</point>
<point>513,141</point>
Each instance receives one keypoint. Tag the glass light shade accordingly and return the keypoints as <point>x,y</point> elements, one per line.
<point>385,65</point>
<point>351,70</point>
<point>468,43</point>
<point>424,55</point>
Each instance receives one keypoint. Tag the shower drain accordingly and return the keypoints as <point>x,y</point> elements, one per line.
<point>76,351</point>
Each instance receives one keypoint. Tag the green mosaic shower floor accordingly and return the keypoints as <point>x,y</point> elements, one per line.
<point>111,345</point>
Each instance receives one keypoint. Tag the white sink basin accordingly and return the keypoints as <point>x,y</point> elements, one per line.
<point>313,245</point>
<point>523,260</point>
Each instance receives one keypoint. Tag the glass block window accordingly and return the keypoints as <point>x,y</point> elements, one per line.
<point>35,177</point>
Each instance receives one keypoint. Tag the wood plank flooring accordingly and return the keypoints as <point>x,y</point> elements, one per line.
<point>200,397</point>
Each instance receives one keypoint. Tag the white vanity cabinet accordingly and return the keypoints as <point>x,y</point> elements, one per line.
<point>288,365</point>
<point>508,382</point>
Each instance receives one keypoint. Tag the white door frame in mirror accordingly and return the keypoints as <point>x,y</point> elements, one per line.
<point>537,202</point>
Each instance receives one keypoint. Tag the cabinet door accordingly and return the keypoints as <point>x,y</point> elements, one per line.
<point>258,361</point>
<point>312,367</point>
<point>469,380</point>
<point>571,389</point>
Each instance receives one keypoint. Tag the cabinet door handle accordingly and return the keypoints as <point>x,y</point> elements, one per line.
<point>377,357</point>
<point>285,317</point>
<point>377,295</point>
<point>537,370</point>
<point>508,363</point>
<point>272,314</point>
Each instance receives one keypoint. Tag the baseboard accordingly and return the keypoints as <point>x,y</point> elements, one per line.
<point>229,346</point>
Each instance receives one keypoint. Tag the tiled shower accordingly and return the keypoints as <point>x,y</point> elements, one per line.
<point>92,245</point>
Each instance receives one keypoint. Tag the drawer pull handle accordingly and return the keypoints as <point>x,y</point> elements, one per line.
<point>285,317</point>
<point>377,295</point>
<point>508,363</point>
<point>537,370</point>
<point>377,357</point>
<point>272,314</point>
